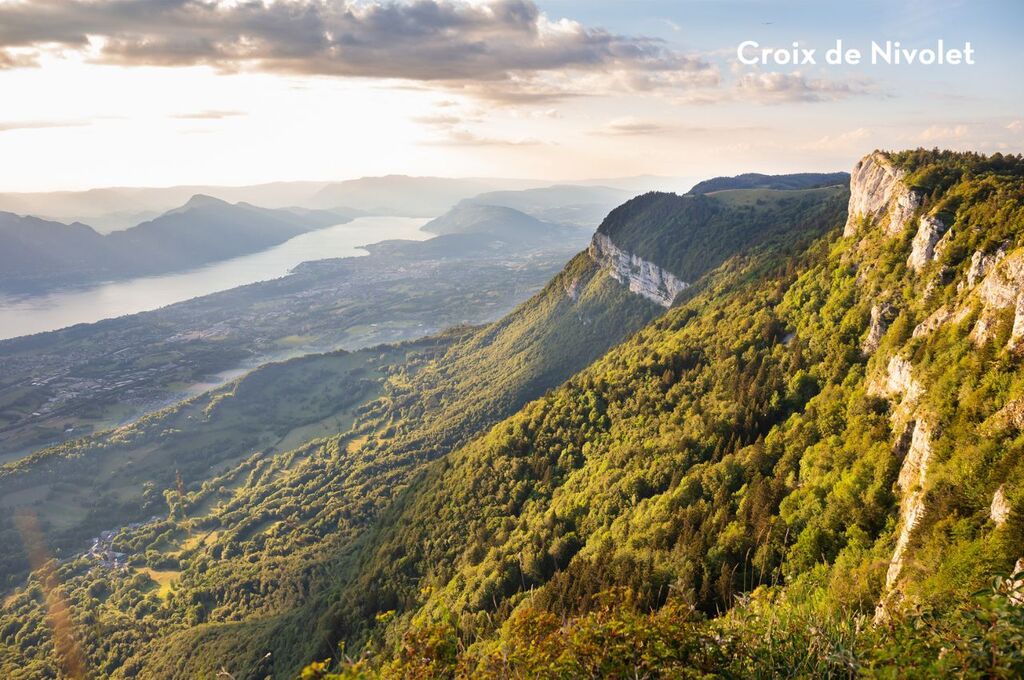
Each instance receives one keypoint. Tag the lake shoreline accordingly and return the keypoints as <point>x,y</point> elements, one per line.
<point>22,316</point>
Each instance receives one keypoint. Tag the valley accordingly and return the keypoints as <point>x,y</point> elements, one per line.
<point>68,383</point>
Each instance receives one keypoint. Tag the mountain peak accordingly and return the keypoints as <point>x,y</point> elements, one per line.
<point>203,201</point>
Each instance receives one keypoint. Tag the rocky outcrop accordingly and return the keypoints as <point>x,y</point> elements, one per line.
<point>878,191</point>
<point>1000,508</point>
<point>934,321</point>
<point>981,263</point>
<point>1011,415</point>
<point>913,473</point>
<point>881,317</point>
<point>899,381</point>
<point>1017,332</point>
<point>1007,420</point>
<point>922,251</point>
<point>572,288</point>
<point>1017,584</point>
<point>640,276</point>
<point>1001,288</point>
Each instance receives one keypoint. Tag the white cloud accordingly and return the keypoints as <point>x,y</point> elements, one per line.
<point>775,87</point>
<point>943,133</point>
<point>844,141</point>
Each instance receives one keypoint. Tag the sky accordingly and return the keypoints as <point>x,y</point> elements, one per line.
<point>162,92</point>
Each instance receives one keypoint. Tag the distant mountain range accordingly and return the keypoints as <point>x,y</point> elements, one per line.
<point>113,208</point>
<point>37,254</point>
<point>495,220</point>
<point>575,205</point>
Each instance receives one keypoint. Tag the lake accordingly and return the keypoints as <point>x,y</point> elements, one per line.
<point>24,315</point>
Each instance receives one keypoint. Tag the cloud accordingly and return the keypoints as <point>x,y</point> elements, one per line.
<point>212,114</point>
<point>776,87</point>
<point>629,126</point>
<point>1016,126</point>
<point>437,120</point>
<point>501,46</point>
<point>943,133</point>
<point>40,124</point>
<point>844,141</point>
<point>638,127</point>
<point>466,138</point>
<point>13,59</point>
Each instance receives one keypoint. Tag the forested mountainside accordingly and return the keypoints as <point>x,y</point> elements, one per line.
<point>824,446</point>
<point>797,454</point>
<point>755,180</point>
<point>693,234</point>
<point>235,513</point>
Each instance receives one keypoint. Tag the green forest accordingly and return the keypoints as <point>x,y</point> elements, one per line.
<point>809,466</point>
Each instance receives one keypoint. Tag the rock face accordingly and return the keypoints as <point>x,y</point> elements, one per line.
<point>899,381</point>
<point>1002,287</point>
<point>981,263</point>
<point>1017,333</point>
<point>1011,415</point>
<point>913,472</point>
<point>933,322</point>
<point>881,316</point>
<point>1000,509</point>
<point>929,231</point>
<point>572,288</point>
<point>877,189</point>
<point>640,276</point>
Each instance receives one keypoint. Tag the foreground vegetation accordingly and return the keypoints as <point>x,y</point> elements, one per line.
<point>763,635</point>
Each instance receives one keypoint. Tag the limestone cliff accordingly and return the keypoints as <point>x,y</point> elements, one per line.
<point>922,251</point>
<point>1002,288</point>
<point>1000,509</point>
<point>879,194</point>
<point>640,276</point>
<point>913,473</point>
<point>881,317</point>
<point>967,282</point>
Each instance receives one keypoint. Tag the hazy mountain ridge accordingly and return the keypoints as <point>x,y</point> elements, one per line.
<point>37,255</point>
<point>574,205</point>
<point>498,222</point>
<point>115,208</point>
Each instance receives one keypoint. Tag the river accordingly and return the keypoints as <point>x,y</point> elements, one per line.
<point>24,315</point>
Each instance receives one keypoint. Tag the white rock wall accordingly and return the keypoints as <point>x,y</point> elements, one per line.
<point>640,276</point>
